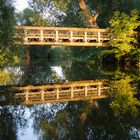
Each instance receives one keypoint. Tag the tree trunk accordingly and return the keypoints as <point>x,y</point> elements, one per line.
<point>92,19</point>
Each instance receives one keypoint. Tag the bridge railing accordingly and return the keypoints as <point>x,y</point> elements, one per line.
<point>61,93</point>
<point>33,35</point>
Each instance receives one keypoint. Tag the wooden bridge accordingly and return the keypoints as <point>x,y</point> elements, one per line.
<point>72,91</point>
<point>62,36</point>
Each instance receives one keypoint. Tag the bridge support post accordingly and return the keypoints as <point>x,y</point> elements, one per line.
<point>85,36</point>
<point>86,90</point>
<point>25,36</point>
<point>71,36</point>
<point>57,93</point>
<point>42,94</point>
<point>27,95</point>
<point>99,89</point>
<point>98,37</point>
<point>56,36</point>
<point>41,35</point>
<point>72,92</point>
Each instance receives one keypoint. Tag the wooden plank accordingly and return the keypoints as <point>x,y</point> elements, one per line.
<point>88,44</point>
<point>63,85</point>
<point>62,28</point>
<point>66,100</point>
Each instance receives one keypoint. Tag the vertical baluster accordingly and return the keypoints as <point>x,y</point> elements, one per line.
<point>25,36</point>
<point>42,94</point>
<point>41,35</point>
<point>98,37</point>
<point>71,36</point>
<point>56,36</point>
<point>99,89</point>
<point>72,95</point>
<point>27,95</point>
<point>57,93</point>
<point>85,36</point>
<point>86,90</point>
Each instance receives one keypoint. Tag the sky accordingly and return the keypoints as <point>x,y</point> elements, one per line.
<point>21,4</point>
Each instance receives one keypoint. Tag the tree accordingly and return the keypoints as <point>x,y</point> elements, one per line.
<point>7,21</point>
<point>123,103</point>
<point>123,34</point>
<point>30,17</point>
<point>78,13</point>
<point>4,77</point>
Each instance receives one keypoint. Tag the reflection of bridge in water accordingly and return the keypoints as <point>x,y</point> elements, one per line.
<point>62,36</point>
<point>71,91</point>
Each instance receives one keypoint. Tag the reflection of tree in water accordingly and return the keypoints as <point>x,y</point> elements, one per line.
<point>93,119</point>
<point>4,77</point>
<point>39,73</point>
<point>10,119</point>
<point>89,70</point>
<point>79,120</point>
<point>48,112</point>
<point>124,102</point>
<point>85,70</point>
<point>83,120</point>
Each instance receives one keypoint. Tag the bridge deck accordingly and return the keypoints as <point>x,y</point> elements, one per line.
<point>73,91</point>
<point>62,36</point>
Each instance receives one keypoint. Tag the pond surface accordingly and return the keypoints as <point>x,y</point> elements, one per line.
<point>82,120</point>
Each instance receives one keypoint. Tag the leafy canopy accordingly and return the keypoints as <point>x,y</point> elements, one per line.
<point>123,103</point>
<point>123,27</point>
<point>8,52</point>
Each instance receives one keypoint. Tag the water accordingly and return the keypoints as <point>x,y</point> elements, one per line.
<point>106,119</point>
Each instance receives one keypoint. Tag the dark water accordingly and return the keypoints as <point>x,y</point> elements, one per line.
<point>117,118</point>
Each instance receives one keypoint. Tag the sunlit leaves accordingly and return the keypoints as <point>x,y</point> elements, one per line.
<point>4,77</point>
<point>123,27</point>
<point>62,4</point>
<point>123,102</point>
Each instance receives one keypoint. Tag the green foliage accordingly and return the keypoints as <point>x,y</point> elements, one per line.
<point>123,102</point>
<point>50,131</point>
<point>63,5</point>
<point>8,51</point>
<point>30,17</point>
<point>106,8</point>
<point>135,55</point>
<point>123,24</point>
<point>4,77</point>
<point>123,27</point>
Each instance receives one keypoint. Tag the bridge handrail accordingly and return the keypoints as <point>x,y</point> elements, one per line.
<point>61,28</point>
<point>65,85</point>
